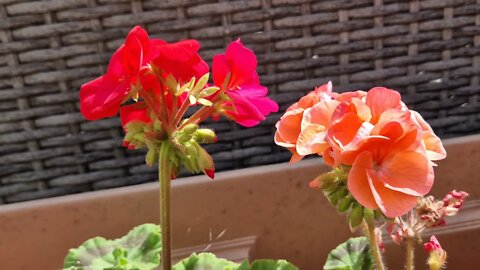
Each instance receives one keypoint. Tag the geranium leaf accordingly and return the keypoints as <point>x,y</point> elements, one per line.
<point>138,250</point>
<point>272,265</point>
<point>353,254</point>
<point>204,261</point>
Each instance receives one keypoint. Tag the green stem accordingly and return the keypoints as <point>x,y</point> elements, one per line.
<point>164,176</point>
<point>370,233</point>
<point>410,254</point>
<point>198,115</point>
<point>181,112</point>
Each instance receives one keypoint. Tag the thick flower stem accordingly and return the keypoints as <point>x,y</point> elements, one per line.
<point>370,233</point>
<point>164,175</point>
<point>410,254</point>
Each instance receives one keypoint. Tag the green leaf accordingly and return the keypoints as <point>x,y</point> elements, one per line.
<point>204,261</point>
<point>272,265</point>
<point>351,255</point>
<point>138,250</point>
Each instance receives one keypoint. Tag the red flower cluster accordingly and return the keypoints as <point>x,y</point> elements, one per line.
<point>387,148</point>
<point>135,66</point>
<point>164,80</point>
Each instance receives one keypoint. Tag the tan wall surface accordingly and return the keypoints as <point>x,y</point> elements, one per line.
<point>272,202</point>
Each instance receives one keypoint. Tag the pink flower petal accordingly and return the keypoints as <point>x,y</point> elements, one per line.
<point>392,203</point>
<point>380,99</point>
<point>358,181</point>
<point>408,172</point>
<point>243,64</point>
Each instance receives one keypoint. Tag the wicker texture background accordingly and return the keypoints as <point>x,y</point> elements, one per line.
<point>428,50</point>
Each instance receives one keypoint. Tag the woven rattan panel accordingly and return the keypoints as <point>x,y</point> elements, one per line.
<point>428,50</point>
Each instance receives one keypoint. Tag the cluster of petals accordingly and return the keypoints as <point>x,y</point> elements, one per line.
<point>432,245</point>
<point>432,212</point>
<point>235,73</point>
<point>135,68</point>
<point>389,148</point>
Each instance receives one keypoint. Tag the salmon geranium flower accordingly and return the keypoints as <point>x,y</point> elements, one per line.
<point>387,149</point>
<point>235,72</point>
<point>302,128</point>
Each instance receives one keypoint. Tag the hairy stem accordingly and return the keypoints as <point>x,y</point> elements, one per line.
<point>409,265</point>
<point>370,234</point>
<point>164,176</point>
<point>181,111</point>
<point>199,115</point>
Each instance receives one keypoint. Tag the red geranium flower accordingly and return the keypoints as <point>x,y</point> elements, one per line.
<point>235,71</point>
<point>181,59</point>
<point>102,97</point>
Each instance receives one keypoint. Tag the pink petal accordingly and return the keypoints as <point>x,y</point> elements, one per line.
<point>312,140</point>
<point>243,64</point>
<point>358,181</point>
<point>392,203</point>
<point>408,172</point>
<point>245,114</point>
<point>220,69</point>
<point>289,125</point>
<point>255,94</point>
<point>380,99</point>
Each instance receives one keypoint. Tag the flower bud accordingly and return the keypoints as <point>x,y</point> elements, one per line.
<point>184,137</point>
<point>205,135</point>
<point>438,256</point>
<point>152,156</point>
<point>343,204</point>
<point>355,217</point>
<point>205,162</point>
<point>190,128</point>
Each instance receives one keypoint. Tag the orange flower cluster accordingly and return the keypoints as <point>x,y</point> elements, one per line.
<point>388,149</point>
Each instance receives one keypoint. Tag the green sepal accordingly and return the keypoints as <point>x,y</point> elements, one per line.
<point>201,83</point>
<point>208,91</point>
<point>172,84</point>
<point>353,254</point>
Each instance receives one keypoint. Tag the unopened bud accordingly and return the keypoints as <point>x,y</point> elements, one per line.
<point>184,137</point>
<point>190,128</point>
<point>438,256</point>
<point>191,149</point>
<point>205,135</point>
<point>152,156</point>
<point>343,204</point>
<point>355,217</point>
